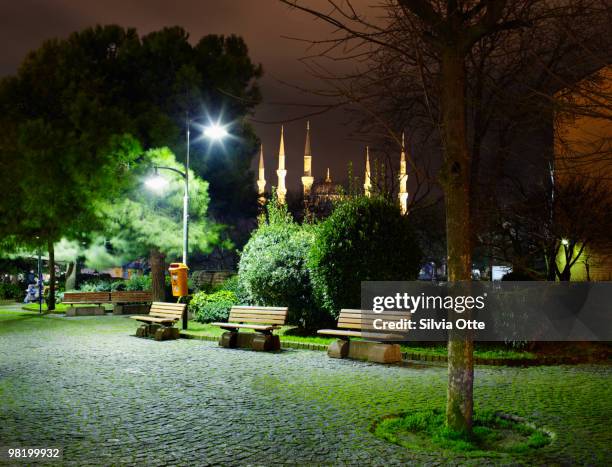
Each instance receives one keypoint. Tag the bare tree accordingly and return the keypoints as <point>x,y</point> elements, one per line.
<point>442,68</point>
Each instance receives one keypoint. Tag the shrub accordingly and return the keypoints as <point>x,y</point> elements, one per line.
<point>138,282</point>
<point>10,291</point>
<point>96,286</point>
<point>117,286</point>
<point>212,307</point>
<point>364,239</point>
<point>234,285</point>
<point>272,269</point>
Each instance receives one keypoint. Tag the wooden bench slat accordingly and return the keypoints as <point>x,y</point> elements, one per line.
<point>258,318</point>
<point>250,313</point>
<point>152,319</point>
<point>338,332</point>
<point>163,313</point>
<point>360,323</point>
<point>268,309</point>
<point>280,314</point>
<point>257,327</point>
<point>95,298</point>
<point>134,296</point>
<point>255,318</point>
<point>169,305</point>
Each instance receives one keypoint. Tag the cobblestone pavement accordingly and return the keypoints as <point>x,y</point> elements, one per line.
<point>109,398</point>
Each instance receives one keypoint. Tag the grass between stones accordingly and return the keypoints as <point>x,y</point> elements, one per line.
<point>492,434</point>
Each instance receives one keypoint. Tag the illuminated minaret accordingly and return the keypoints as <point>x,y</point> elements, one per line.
<point>307,178</point>
<point>328,177</point>
<point>367,182</point>
<point>261,181</point>
<point>403,180</point>
<point>281,190</point>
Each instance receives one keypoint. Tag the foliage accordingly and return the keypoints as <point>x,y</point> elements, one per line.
<point>138,282</point>
<point>96,286</point>
<point>365,239</point>
<point>10,291</point>
<point>212,307</point>
<point>491,433</point>
<point>233,284</point>
<point>142,220</point>
<point>273,269</point>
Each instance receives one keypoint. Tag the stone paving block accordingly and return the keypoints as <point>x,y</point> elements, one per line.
<point>124,401</point>
<point>93,310</point>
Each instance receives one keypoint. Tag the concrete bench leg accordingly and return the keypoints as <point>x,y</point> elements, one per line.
<point>228,339</point>
<point>375,352</point>
<point>338,349</point>
<point>265,342</point>
<point>165,333</point>
<point>94,310</point>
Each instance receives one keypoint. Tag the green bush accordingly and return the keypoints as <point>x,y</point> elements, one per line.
<point>96,286</point>
<point>10,291</point>
<point>212,307</point>
<point>138,282</point>
<point>272,269</point>
<point>118,286</point>
<point>233,284</point>
<point>364,239</point>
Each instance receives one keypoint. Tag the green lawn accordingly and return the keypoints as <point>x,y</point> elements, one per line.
<point>295,334</point>
<point>59,307</point>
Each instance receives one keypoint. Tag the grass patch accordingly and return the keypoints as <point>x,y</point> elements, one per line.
<point>295,334</point>
<point>491,434</point>
<point>483,352</point>
<point>286,333</point>
<point>59,307</point>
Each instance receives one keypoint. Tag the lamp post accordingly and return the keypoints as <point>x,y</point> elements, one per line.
<point>214,132</point>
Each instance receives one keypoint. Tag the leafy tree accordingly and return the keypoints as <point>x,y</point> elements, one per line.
<point>141,222</point>
<point>450,67</point>
<point>364,239</point>
<point>74,118</point>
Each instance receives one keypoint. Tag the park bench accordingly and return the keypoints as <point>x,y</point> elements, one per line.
<point>374,345</point>
<point>131,301</point>
<point>264,320</point>
<point>96,299</point>
<point>160,321</point>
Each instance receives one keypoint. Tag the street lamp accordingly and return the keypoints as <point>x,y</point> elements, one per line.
<point>214,132</point>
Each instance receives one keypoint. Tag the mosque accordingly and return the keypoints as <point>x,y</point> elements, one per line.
<point>314,193</point>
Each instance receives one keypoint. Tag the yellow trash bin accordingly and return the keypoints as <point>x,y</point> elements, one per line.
<point>178,278</point>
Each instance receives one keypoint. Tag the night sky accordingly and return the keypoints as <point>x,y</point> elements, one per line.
<point>25,24</point>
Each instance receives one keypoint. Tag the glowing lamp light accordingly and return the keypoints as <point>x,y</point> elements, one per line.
<point>215,132</point>
<point>156,182</point>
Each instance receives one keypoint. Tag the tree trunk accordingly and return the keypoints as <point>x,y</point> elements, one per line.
<point>158,278</point>
<point>51,296</point>
<point>455,178</point>
<point>71,273</point>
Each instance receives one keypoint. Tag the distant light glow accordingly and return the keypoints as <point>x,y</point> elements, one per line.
<point>215,132</point>
<point>156,182</point>
<point>565,242</point>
